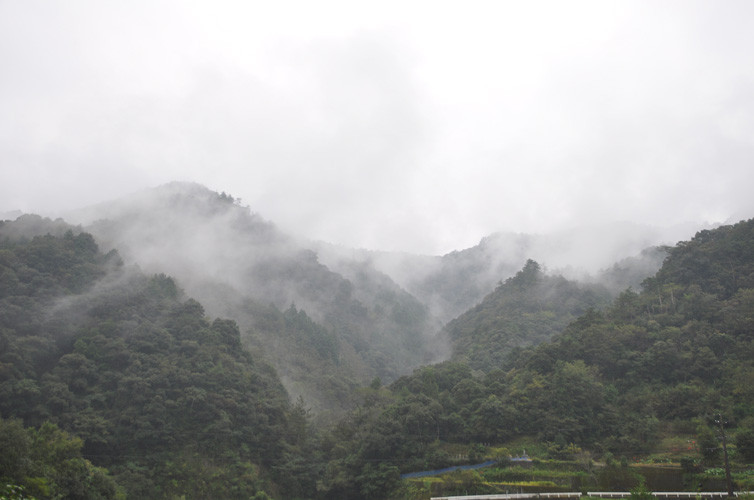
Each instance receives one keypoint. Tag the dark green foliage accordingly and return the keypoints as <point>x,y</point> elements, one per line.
<point>611,380</point>
<point>641,492</point>
<point>745,441</point>
<point>371,327</point>
<point>166,399</point>
<point>172,404</point>
<point>310,357</point>
<point>720,261</point>
<point>358,323</point>
<point>529,308</point>
<point>708,444</point>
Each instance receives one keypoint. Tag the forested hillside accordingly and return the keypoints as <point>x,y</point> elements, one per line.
<point>161,395</point>
<point>138,392</point>
<point>528,309</point>
<point>654,365</point>
<point>617,256</point>
<point>242,267</point>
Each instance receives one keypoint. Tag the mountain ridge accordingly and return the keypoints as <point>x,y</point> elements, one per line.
<point>129,362</point>
<point>237,263</point>
<point>385,311</point>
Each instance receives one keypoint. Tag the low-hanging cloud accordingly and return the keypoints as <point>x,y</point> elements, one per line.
<point>392,127</point>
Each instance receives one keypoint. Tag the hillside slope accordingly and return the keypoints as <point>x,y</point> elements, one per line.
<point>527,309</point>
<point>239,265</point>
<point>654,366</point>
<point>162,395</point>
<point>616,255</point>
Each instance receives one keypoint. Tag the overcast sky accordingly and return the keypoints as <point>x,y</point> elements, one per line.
<point>418,126</point>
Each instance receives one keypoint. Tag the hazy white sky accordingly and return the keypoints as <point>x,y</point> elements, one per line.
<point>419,126</point>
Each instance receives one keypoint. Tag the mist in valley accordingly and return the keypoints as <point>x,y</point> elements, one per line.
<point>294,250</point>
<point>331,318</point>
<point>242,267</point>
<point>618,256</point>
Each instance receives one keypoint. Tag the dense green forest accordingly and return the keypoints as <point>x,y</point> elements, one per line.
<point>653,365</point>
<point>115,383</point>
<point>242,267</point>
<point>163,397</point>
<point>528,309</point>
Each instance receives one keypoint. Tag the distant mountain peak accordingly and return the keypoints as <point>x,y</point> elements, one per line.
<point>192,189</point>
<point>189,197</point>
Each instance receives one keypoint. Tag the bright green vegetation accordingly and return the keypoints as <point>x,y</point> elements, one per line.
<point>114,382</point>
<point>49,464</point>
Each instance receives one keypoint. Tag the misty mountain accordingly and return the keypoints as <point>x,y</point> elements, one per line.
<point>617,255</point>
<point>380,311</point>
<point>172,401</point>
<point>242,267</point>
<point>27,226</point>
<point>161,394</point>
<point>328,318</point>
<point>631,272</point>
<point>647,370</point>
<point>527,309</point>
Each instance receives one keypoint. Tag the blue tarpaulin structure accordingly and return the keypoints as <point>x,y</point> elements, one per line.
<point>447,469</point>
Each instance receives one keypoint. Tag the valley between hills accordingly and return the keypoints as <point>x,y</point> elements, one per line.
<point>175,344</point>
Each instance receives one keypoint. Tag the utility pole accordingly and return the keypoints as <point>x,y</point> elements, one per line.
<point>729,483</point>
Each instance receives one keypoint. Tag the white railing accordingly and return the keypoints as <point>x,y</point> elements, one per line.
<point>601,494</point>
